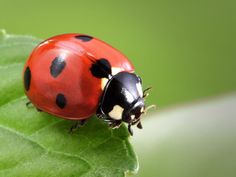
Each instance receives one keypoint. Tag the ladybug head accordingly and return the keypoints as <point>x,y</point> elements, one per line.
<point>123,100</point>
<point>132,116</point>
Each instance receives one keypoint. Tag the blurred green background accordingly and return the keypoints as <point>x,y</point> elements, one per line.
<point>184,49</point>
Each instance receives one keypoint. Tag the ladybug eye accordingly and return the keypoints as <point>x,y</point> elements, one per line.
<point>136,112</point>
<point>137,115</point>
<point>132,117</point>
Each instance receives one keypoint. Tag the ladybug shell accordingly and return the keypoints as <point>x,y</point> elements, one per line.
<point>58,77</point>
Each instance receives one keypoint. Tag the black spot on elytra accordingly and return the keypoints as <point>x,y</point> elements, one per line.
<point>57,66</point>
<point>101,68</point>
<point>27,78</point>
<point>61,100</point>
<point>84,38</point>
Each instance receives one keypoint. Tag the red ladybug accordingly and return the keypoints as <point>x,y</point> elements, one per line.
<point>74,76</point>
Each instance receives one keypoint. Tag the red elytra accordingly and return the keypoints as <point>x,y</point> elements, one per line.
<point>70,91</point>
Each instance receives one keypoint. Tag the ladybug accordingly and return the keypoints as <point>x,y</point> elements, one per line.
<point>74,76</point>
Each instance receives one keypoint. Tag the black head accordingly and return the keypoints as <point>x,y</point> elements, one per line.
<point>123,100</point>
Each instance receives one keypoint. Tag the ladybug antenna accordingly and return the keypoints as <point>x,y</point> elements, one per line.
<point>145,92</point>
<point>149,107</point>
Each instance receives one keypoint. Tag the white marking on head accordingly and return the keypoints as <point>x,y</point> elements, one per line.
<point>103,83</point>
<point>115,70</point>
<point>142,109</point>
<point>139,88</point>
<point>132,117</point>
<point>116,112</point>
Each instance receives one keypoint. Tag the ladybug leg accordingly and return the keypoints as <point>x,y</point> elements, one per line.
<point>139,125</point>
<point>77,124</point>
<point>28,104</point>
<point>114,123</point>
<point>82,122</point>
<point>39,110</point>
<point>100,114</point>
<point>74,127</point>
<point>130,130</point>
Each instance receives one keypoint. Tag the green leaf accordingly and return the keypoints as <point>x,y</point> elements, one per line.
<point>197,140</point>
<point>37,144</point>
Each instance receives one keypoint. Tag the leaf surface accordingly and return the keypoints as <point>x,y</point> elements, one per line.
<point>38,144</point>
